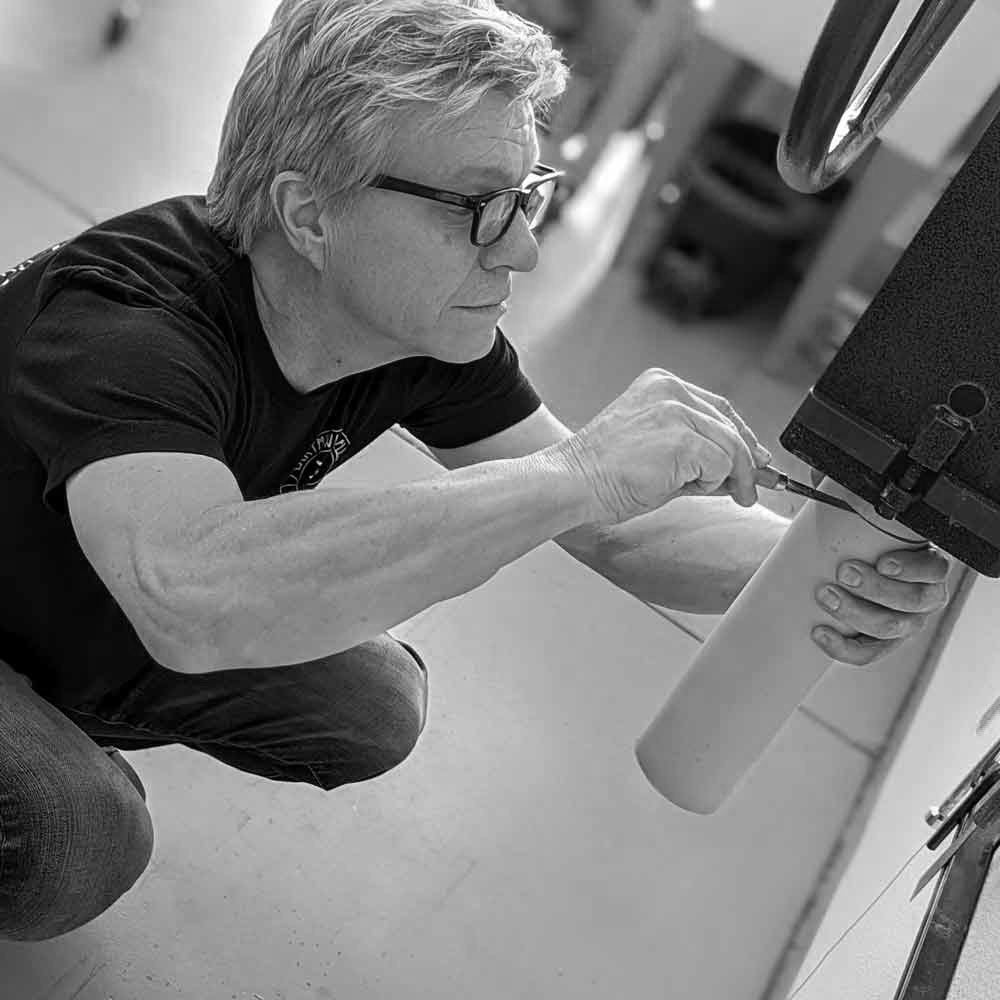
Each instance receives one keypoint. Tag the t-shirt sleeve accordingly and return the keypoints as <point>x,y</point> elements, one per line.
<point>94,378</point>
<point>459,404</point>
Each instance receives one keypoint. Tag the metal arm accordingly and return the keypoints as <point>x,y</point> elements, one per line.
<point>828,130</point>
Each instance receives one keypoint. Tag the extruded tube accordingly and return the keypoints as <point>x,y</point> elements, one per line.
<point>760,663</point>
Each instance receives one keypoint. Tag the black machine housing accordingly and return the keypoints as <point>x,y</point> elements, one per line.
<point>907,415</point>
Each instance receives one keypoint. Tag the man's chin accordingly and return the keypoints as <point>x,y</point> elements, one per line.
<point>471,344</point>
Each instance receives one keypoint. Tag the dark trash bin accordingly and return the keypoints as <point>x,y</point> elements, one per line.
<point>737,226</point>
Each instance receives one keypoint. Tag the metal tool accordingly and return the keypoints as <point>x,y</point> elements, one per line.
<point>980,814</point>
<point>975,801</point>
<point>940,941</point>
<point>972,812</point>
<point>950,809</point>
<point>771,479</point>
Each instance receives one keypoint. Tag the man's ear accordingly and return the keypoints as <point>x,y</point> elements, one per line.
<point>300,216</point>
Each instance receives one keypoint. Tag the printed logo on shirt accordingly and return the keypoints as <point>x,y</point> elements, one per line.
<point>8,276</point>
<point>322,455</point>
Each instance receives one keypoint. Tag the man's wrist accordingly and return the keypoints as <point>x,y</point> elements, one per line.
<point>561,466</point>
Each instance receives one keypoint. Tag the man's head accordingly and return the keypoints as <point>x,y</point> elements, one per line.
<point>338,93</point>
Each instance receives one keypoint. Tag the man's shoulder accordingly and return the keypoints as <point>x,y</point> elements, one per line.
<point>162,256</point>
<point>171,238</point>
<point>147,285</point>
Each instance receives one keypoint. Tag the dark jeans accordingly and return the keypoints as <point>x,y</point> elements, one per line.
<point>75,833</point>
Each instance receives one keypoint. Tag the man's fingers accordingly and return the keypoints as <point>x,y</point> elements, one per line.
<point>858,650</point>
<point>713,417</point>
<point>735,475</point>
<point>915,565</point>
<point>881,620</point>
<point>761,455</point>
<point>895,593</point>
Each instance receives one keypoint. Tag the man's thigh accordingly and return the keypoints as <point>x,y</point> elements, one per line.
<point>329,722</point>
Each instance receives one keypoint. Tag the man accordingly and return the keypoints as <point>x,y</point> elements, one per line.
<point>178,379</point>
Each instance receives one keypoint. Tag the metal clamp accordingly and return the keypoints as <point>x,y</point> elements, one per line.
<point>909,472</point>
<point>941,435</point>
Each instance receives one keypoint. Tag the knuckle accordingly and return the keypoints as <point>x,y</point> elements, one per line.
<point>871,647</point>
<point>647,382</point>
<point>669,409</point>
<point>896,627</point>
<point>886,628</point>
<point>657,388</point>
<point>858,656</point>
<point>852,652</point>
<point>867,655</point>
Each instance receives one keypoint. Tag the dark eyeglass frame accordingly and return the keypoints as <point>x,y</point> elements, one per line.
<point>541,174</point>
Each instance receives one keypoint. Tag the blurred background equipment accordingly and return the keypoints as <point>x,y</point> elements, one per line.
<point>735,226</point>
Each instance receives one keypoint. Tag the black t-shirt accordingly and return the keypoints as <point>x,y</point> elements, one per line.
<point>142,334</point>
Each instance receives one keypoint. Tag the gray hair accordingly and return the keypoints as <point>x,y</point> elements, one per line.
<point>325,88</point>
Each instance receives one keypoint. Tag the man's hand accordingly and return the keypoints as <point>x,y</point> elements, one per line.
<point>663,438</point>
<point>885,606</point>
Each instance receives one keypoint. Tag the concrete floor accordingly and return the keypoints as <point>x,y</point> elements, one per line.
<point>519,851</point>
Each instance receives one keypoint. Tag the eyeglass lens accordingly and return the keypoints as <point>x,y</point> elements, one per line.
<point>498,212</point>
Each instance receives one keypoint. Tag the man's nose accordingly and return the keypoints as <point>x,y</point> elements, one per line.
<point>518,248</point>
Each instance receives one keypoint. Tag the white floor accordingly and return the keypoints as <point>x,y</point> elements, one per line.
<point>519,851</point>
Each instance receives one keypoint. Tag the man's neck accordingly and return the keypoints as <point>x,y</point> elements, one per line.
<point>312,347</point>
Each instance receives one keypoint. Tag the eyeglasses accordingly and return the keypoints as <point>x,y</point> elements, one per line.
<point>493,212</point>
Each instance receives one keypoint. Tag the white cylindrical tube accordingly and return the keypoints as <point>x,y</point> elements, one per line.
<point>760,662</point>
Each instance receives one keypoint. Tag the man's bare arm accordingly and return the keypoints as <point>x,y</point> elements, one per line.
<point>695,554</point>
<point>698,552</point>
<point>211,581</point>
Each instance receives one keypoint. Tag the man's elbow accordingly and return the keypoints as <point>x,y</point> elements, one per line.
<point>592,544</point>
<point>172,619</point>
<point>176,645</point>
<point>177,655</point>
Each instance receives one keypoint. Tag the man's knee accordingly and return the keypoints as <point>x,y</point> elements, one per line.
<point>387,715</point>
<point>70,848</point>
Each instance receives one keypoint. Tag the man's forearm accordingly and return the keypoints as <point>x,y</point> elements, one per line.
<point>301,576</point>
<point>693,554</point>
